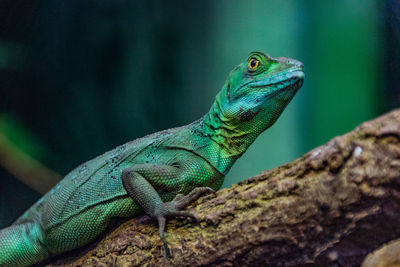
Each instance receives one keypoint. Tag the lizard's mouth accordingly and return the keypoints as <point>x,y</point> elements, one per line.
<point>292,81</point>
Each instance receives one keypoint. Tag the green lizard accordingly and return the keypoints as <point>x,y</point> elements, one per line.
<point>159,174</point>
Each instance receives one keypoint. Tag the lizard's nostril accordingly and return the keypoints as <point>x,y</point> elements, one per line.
<point>297,63</point>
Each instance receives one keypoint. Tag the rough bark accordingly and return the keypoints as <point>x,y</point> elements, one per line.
<point>330,207</point>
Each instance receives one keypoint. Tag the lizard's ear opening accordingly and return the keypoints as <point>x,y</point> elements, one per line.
<point>228,92</point>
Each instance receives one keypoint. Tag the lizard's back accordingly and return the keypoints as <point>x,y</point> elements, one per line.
<point>92,193</point>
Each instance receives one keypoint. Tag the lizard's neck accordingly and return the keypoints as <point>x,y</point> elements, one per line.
<point>227,142</point>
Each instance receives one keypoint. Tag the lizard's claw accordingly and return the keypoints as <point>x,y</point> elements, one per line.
<point>174,209</point>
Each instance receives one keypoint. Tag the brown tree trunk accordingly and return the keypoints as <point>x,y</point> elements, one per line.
<point>332,206</point>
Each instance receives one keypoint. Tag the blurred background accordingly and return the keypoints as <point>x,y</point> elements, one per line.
<point>78,78</point>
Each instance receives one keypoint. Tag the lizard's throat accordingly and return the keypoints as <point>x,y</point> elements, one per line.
<point>231,141</point>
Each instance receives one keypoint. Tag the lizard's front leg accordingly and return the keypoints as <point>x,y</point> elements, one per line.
<point>139,182</point>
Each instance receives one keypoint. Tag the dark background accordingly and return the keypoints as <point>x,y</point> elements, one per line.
<point>78,78</point>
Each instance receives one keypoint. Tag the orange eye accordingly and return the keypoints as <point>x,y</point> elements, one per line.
<point>253,63</point>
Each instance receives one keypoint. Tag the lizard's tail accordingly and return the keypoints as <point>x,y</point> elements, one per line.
<point>20,245</point>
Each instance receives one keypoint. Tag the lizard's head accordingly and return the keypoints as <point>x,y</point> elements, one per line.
<point>257,91</point>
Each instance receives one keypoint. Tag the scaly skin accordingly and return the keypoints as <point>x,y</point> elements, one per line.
<point>159,174</point>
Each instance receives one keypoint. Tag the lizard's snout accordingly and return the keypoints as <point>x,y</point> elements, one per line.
<point>291,61</point>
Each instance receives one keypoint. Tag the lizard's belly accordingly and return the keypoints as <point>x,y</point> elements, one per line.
<point>97,194</point>
<point>85,226</point>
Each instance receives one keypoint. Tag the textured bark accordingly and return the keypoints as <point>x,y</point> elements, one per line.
<point>332,206</point>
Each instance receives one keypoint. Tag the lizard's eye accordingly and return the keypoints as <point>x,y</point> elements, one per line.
<point>253,63</point>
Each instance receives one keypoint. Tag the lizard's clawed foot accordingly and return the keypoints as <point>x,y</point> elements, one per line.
<point>174,209</point>
<point>184,201</point>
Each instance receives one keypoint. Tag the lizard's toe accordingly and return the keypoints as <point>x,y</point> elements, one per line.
<point>174,208</point>
<point>195,194</point>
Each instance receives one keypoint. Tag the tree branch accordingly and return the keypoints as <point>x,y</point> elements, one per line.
<point>335,204</point>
